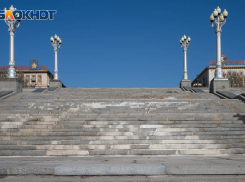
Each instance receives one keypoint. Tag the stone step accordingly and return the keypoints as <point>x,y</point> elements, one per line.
<point>137,133</point>
<point>79,107</point>
<point>23,152</point>
<point>169,152</point>
<point>18,147</point>
<point>114,142</point>
<point>59,122</point>
<point>121,147</point>
<point>69,98</point>
<point>131,114</point>
<point>52,125</point>
<point>136,117</point>
<point>103,103</point>
<point>95,138</point>
<point>125,124</point>
<point>133,146</point>
<point>122,108</point>
<point>122,152</point>
<point>135,129</point>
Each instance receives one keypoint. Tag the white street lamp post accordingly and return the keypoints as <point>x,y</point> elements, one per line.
<point>184,44</point>
<point>12,24</point>
<point>217,22</point>
<point>56,42</point>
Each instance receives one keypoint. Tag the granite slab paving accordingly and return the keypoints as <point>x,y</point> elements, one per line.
<point>132,165</point>
<point>52,88</point>
<point>39,90</point>
<point>187,88</point>
<point>3,93</point>
<point>197,90</point>
<point>227,94</point>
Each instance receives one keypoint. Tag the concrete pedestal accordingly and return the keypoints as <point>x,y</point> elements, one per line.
<point>220,84</point>
<point>185,83</point>
<point>11,84</point>
<point>55,83</point>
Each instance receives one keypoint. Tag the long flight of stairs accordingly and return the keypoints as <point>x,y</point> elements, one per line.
<point>92,122</point>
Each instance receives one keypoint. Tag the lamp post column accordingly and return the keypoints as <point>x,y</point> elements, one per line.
<point>184,42</point>
<point>11,83</point>
<point>185,77</point>
<point>218,71</point>
<point>12,24</point>
<point>218,20</point>
<point>11,70</point>
<point>56,42</point>
<point>56,76</point>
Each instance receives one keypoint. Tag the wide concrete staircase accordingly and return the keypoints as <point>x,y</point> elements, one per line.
<point>88,122</point>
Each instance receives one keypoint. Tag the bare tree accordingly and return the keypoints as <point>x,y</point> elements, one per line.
<point>3,74</point>
<point>235,79</point>
<point>22,78</point>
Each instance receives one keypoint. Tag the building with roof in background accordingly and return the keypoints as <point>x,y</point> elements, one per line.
<point>32,76</point>
<point>232,69</point>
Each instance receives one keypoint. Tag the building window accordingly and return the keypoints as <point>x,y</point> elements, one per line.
<point>234,73</point>
<point>229,73</point>
<point>240,73</point>
<point>39,77</point>
<point>33,77</point>
<point>39,83</point>
<point>27,77</point>
<point>28,83</point>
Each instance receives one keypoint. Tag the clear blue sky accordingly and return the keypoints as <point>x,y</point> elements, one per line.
<point>125,43</point>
